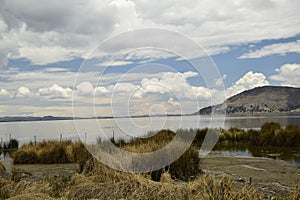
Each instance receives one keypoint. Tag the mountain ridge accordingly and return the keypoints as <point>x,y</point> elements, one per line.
<point>265,99</point>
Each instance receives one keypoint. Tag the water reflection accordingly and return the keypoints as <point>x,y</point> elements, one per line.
<point>290,154</point>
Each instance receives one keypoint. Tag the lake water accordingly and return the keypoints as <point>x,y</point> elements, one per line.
<point>89,130</point>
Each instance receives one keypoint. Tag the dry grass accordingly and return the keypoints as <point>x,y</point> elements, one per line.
<point>185,168</point>
<point>104,183</point>
<point>101,182</point>
<point>2,169</point>
<point>270,134</point>
<point>49,152</point>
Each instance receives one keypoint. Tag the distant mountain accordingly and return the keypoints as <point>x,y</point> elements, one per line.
<point>266,99</point>
<point>29,118</point>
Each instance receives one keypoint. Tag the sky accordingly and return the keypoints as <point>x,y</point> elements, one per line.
<point>118,58</point>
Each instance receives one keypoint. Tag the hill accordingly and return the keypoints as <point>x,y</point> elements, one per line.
<point>266,99</point>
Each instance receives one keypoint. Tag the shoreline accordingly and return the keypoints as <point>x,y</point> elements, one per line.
<point>271,177</point>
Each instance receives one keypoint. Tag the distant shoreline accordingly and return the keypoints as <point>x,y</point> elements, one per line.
<point>53,118</point>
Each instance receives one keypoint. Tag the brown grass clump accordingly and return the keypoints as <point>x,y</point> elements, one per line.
<point>149,144</point>
<point>49,152</point>
<point>208,187</point>
<point>106,183</point>
<point>2,169</point>
<point>295,194</point>
<point>185,168</point>
<point>30,196</point>
<point>21,189</point>
<point>110,184</point>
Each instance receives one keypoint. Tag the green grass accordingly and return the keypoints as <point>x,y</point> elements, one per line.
<point>270,134</point>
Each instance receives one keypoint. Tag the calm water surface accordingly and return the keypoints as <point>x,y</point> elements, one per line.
<point>91,129</point>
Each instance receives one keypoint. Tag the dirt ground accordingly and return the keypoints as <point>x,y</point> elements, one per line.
<point>271,177</point>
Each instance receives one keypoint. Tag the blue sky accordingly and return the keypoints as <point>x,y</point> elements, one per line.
<point>118,57</point>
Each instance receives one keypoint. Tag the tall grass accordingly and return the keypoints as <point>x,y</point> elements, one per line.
<point>100,182</point>
<point>186,167</point>
<point>106,183</point>
<point>2,169</point>
<point>50,152</point>
<point>11,144</point>
<point>270,134</point>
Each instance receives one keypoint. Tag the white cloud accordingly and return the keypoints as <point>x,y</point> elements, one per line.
<point>100,90</point>
<point>249,81</point>
<point>114,63</point>
<point>123,87</point>
<point>288,75</point>
<point>85,89</point>
<point>23,92</point>
<point>4,92</point>
<point>172,102</point>
<point>51,32</point>
<point>219,81</point>
<point>56,69</point>
<point>190,74</point>
<point>281,49</point>
<point>55,92</point>
<point>88,90</point>
<point>43,55</point>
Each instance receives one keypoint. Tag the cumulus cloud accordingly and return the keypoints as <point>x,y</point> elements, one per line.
<point>288,75</point>
<point>123,87</point>
<point>4,92</point>
<point>23,92</point>
<point>249,81</point>
<point>281,49</point>
<point>85,88</point>
<point>55,92</point>
<point>168,83</point>
<point>100,90</point>
<point>172,102</point>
